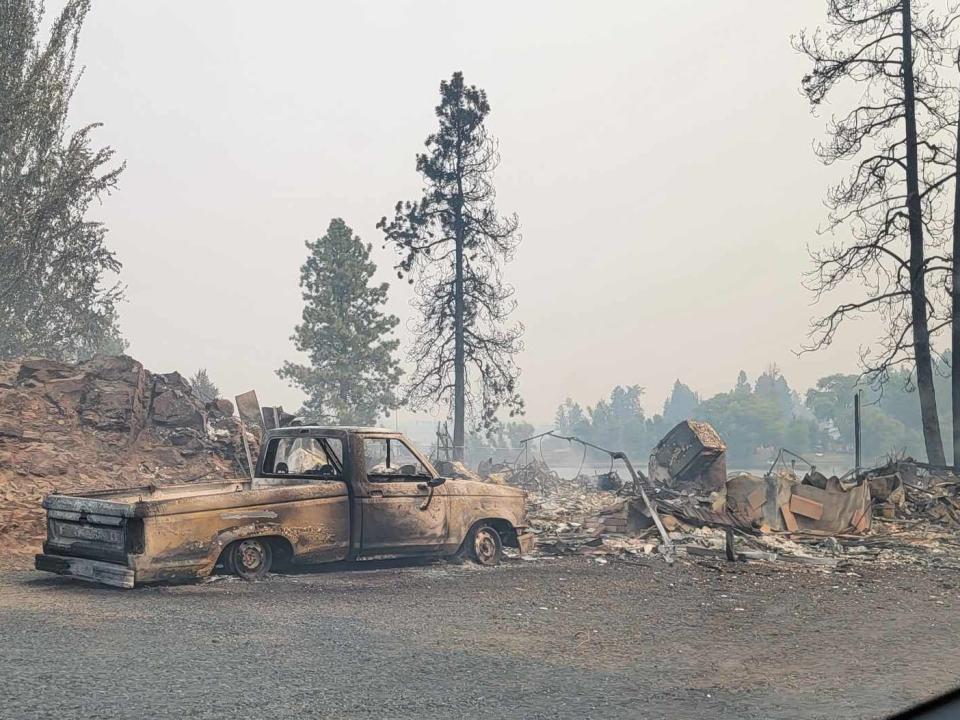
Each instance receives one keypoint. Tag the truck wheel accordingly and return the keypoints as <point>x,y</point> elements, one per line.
<point>485,546</point>
<point>251,559</point>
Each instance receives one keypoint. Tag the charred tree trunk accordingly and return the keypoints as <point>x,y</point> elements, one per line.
<point>459,357</point>
<point>955,313</point>
<point>918,296</point>
<point>459,349</point>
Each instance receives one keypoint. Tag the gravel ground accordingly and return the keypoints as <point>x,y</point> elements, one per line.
<point>547,639</point>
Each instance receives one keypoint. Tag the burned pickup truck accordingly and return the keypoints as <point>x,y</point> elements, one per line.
<point>319,495</point>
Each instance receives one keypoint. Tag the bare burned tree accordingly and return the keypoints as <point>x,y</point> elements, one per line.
<point>454,242</point>
<point>891,202</point>
<point>955,303</point>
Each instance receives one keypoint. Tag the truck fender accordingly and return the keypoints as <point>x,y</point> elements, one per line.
<point>231,535</point>
<point>506,529</point>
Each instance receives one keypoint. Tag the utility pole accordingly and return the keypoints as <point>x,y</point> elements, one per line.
<point>856,434</point>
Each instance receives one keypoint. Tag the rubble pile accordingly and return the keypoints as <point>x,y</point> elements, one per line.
<point>106,422</point>
<point>578,516</point>
<point>537,477</point>
<point>902,512</point>
<point>534,477</point>
<point>591,522</point>
<point>906,489</point>
<point>565,520</point>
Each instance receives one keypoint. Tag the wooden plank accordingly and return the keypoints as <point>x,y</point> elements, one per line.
<point>788,519</point>
<point>806,507</point>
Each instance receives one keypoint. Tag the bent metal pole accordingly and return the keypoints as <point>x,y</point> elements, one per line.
<point>669,555</point>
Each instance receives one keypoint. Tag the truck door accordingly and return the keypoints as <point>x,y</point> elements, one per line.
<point>402,514</point>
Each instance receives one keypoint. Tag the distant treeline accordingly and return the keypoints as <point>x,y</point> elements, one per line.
<point>765,414</point>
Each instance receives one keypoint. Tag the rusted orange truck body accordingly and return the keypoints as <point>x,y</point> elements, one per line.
<point>319,495</point>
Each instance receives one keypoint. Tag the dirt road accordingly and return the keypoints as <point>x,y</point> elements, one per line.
<point>549,639</point>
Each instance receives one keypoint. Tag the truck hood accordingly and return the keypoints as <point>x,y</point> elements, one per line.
<point>473,488</point>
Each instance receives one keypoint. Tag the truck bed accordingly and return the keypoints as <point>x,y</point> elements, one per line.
<point>103,535</point>
<point>172,499</point>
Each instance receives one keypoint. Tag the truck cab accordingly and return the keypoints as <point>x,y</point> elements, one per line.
<point>319,494</point>
<point>398,503</point>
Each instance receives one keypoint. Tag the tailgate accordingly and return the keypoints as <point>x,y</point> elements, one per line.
<point>90,528</point>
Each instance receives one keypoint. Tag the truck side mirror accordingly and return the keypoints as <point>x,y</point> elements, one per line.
<point>435,482</point>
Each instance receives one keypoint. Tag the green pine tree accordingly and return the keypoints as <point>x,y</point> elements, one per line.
<point>352,374</point>
<point>58,292</point>
<point>203,387</point>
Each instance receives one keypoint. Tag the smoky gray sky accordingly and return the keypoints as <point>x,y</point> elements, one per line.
<point>658,155</point>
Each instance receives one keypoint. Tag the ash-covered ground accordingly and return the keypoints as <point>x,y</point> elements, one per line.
<point>567,638</point>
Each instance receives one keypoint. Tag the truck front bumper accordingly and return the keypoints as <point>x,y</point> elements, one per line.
<point>84,569</point>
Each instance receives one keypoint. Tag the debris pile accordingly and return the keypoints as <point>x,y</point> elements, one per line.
<point>537,477</point>
<point>106,422</point>
<point>906,489</point>
<point>688,470</point>
<point>565,521</point>
<point>903,512</point>
<point>580,516</point>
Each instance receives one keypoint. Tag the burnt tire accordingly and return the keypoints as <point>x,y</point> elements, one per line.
<point>484,545</point>
<point>250,559</point>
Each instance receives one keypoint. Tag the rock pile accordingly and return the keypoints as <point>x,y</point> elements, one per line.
<point>104,423</point>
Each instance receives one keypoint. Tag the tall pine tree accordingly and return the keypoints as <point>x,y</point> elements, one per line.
<point>352,374</point>
<point>454,242</point>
